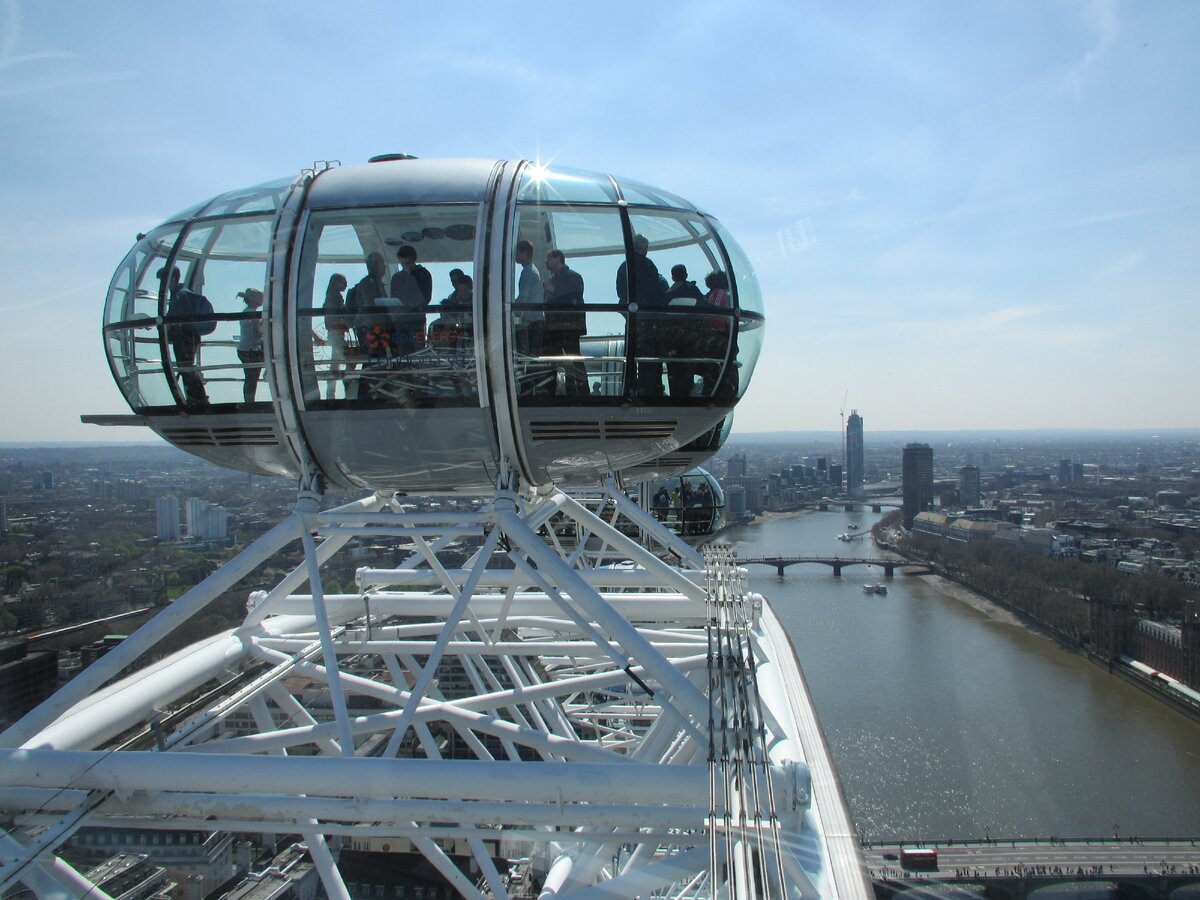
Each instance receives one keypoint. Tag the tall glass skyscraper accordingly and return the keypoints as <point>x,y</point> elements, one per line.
<point>968,486</point>
<point>918,481</point>
<point>854,454</point>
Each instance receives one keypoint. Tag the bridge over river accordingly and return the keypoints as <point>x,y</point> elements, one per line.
<point>1014,869</point>
<point>837,563</point>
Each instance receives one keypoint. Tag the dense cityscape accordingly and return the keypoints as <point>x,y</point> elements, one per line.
<point>88,533</point>
<point>1092,538</point>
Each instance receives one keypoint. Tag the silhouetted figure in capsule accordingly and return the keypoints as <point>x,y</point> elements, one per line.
<point>676,333</point>
<point>644,297</point>
<point>371,324</point>
<point>250,342</point>
<point>412,285</point>
<point>566,321</point>
<point>720,381</point>
<point>185,337</point>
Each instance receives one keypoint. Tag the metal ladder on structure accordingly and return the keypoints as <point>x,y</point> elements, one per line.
<point>745,852</point>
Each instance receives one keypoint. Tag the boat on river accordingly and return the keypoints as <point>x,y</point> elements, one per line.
<point>878,588</point>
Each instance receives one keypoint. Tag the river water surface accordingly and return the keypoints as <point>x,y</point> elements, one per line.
<point>947,721</point>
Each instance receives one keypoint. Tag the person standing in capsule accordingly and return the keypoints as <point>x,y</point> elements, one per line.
<point>185,337</point>
<point>250,343</point>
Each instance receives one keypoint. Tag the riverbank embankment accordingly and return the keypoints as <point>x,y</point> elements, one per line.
<point>998,610</point>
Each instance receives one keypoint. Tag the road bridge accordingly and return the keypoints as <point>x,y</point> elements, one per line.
<point>1013,869</point>
<point>837,563</point>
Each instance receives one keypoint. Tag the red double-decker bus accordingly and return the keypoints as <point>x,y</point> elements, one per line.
<point>919,858</point>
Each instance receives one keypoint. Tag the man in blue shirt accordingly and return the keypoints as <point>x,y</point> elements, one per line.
<point>530,322</point>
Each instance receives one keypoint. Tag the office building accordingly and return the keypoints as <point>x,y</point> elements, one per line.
<point>917,465</point>
<point>968,486</point>
<point>737,466</point>
<point>1065,472</point>
<point>854,454</point>
<point>754,489</point>
<point>167,519</point>
<point>26,679</point>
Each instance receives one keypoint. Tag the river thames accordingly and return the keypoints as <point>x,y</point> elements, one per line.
<point>948,721</point>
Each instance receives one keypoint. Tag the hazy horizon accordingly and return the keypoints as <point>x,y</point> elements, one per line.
<point>774,436</point>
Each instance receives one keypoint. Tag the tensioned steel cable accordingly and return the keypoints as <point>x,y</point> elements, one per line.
<point>749,818</point>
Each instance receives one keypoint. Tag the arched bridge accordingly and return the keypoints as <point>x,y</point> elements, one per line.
<point>837,563</point>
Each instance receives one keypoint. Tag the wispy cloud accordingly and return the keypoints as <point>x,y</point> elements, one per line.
<point>1076,335</point>
<point>1102,20</point>
<point>1123,264</point>
<point>945,327</point>
<point>22,74</point>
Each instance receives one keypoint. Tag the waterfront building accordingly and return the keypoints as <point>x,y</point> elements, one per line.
<point>931,523</point>
<point>835,476</point>
<point>917,467</point>
<point>735,503</point>
<point>854,454</point>
<point>737,466</point>
<point>968,486</point>
<point>754,491</point>
<point>167,518</point>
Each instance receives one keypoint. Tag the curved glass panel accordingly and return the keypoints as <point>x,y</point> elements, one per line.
<point>386,308</point>
<point>134,346</point>
<point>750,338</point>
<point>137,359</point>
<point>134,290</point>
<point>189,212</point>
<point>544,184</point>
<point>691,504</point>
<point>217,347</point>
<point>568,333</point>
<point>265,197</point>
<point>746,291</point>
<point>638,194</point>
<point>682,329</point>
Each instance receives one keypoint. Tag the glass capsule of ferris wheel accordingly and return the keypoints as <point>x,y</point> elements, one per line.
<point>416,324</point>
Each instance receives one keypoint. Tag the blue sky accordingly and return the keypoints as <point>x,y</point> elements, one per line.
<point>964,215</point>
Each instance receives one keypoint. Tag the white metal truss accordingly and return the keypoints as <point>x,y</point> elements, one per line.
<point>562,696</point>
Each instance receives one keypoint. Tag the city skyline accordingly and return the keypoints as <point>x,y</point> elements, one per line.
<point>954,211</point>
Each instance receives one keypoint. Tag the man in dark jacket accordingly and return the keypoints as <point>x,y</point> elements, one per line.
<point>373,330</point>
<point>649,295</point>
<point>185,336</point>
<point>413,286</point>
<point>566,321</point>
<point>677,336</point>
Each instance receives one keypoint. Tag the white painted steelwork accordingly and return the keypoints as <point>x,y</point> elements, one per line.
<point>620,725</point>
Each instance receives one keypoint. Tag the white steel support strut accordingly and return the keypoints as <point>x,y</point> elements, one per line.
<point>528,710</point>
